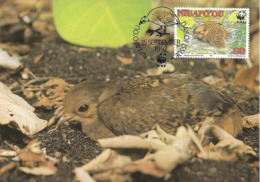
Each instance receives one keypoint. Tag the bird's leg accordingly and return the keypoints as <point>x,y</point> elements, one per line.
<point>165,31</point>
<point>160,34</point>
<point>157,30</point>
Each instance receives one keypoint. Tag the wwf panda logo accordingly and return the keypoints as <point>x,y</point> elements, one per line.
<point>161,59</point>
<point>241,15</point>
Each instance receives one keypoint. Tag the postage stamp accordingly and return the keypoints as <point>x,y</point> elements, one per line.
<point>212,33</point>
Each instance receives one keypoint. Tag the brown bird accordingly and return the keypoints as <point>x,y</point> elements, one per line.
<point>212,32</point>
<point>135,106</point>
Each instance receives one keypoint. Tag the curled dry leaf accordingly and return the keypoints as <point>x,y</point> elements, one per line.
<point>17,113</point>
<point>109,159</point>
<point>251,121</point>
<point>125,61</point>
<point>82,176</point>
<point>130,141</point>
<point>112,166</point>
<point>42,170</point>
<point>56,90</point>
<point>228,147</point>
<point>179,147</point>
<point>34,161</point>
<point>9,62</point>
<point>32,154</point>
<point>212,80</point>
<point>164,152</point>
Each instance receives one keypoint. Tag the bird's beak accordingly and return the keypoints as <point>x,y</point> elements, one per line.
<point>65,117</point>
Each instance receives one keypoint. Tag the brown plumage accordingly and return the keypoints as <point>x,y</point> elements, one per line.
<point>135,106</point>
<point>212,32</point>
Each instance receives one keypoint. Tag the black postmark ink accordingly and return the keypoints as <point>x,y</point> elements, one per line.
<point>163,17</point>
<point>161,59</point>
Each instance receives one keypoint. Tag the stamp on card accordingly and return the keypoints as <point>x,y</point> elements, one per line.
<point>212,33</point>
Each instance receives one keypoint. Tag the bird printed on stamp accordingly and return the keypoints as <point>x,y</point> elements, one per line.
<point>212,32</point>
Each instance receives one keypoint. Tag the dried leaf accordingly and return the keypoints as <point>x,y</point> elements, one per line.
<point>7,153</point>
<point>31,155</point>
<point>248,77</point>
<point>251,121</point>
<point>82,176</point>
<point>212,80</point>
<point>17,113</point>
<point>110,166</point>
<point>125,61</point>
<point>146,167</point>
<point>130,141</point>
<point>56,90</point>
<point>42,170</point>
<point>179,147</point>
<point>28,94</point>
<point>34,160</point>
<point>107,160</point>
<point>7,167</point>
<point>9,62</point>
<point>38,58</point>
<point>228,147</point>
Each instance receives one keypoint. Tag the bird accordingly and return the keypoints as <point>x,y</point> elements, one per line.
<point>212,32</point>
<point>161,16</point>
<point>134,106</point>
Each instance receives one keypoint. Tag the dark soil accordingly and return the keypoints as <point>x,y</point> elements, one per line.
<point>73,148</point>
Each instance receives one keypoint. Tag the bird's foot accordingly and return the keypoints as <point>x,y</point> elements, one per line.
<point>160,34</point>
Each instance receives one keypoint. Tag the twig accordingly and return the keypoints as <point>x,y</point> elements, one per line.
<point>15,148</point>
<point>36,80</point>
<point>29,89</point>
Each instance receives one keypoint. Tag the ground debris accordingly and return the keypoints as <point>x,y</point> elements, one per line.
<point>159,161</point>
<point>17,113</point>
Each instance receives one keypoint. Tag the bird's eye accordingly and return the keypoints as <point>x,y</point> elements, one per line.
<point>83,108</point>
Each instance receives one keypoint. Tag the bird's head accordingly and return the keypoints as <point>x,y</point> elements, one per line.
<point>143,20</point>
<point>200,31</point>
<point>81,102</point>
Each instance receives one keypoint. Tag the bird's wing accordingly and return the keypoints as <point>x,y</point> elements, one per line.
<point>216,38</point>
<point>215,34</point>
<point>169,101</point>
<point>225,32</point>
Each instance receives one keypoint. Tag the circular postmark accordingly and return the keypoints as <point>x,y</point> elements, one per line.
<point>162,18</point>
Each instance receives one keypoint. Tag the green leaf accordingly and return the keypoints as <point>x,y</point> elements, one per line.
<point>180,34</point>
<point>100,22</point>
<point>239,32</point>
<point>221,52</point>
<point>240,35</point>
<point>190,21</point>
<point>235,43</point>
